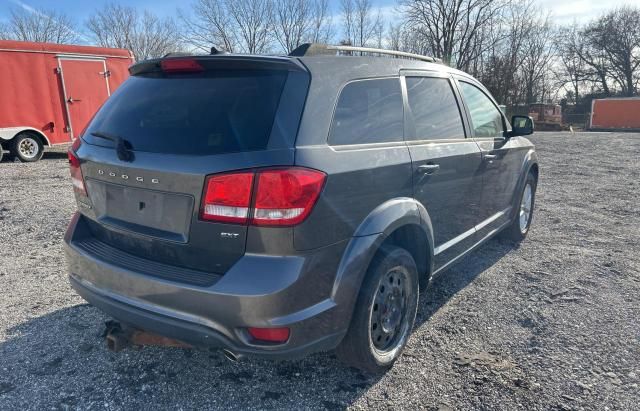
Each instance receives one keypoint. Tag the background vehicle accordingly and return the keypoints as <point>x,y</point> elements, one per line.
<point>620,113</point>
<point>548,117</point>
<point>50,91</point>
<point>308,200</point>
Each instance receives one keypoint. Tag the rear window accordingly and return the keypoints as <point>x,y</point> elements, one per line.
<point>211,113</point>
<point>368,111</point>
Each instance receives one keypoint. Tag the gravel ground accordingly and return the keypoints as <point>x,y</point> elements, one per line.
<point>552,324</point>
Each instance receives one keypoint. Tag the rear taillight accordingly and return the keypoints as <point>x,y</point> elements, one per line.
<point>181,66</point>
<point>76,173</point>
<point>279,197</point>
<point>227,198</point>
<point>286,197</point>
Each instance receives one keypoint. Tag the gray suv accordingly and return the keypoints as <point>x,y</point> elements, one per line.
<point>278,206</point>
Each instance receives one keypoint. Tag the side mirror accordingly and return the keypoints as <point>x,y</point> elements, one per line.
<point>521,126</point>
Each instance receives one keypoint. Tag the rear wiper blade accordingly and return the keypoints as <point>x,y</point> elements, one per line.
<point>124,152</point>
<point>106,136</point>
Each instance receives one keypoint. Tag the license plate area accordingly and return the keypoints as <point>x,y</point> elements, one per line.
<point>141,211</point>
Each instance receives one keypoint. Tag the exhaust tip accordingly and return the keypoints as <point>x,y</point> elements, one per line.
<point>231,356</point>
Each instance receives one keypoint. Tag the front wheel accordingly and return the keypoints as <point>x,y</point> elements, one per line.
<point>384,312</point>
<point>521,224</point>
<point>27,147</point>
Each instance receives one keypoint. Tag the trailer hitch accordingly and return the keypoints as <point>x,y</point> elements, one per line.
<point>120,337</point>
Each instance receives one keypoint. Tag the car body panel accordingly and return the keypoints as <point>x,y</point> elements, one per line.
<point>382,173</point>
<point>306,277</point>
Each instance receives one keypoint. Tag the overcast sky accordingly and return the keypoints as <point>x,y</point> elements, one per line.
<point>563,11</point>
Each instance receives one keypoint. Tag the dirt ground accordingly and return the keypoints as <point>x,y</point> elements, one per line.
<point>551,324</point>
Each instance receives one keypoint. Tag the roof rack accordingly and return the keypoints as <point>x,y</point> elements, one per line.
<point>383,51</point>
<point>313,49</point>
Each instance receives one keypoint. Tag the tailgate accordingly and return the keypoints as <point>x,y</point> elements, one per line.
<point>152,210</point>
<point>175,129</point>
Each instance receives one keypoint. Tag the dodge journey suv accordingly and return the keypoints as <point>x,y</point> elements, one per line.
<point>279,206</point>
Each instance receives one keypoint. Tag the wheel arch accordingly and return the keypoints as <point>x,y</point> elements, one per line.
<point>8,134</point>
<point>401,221</point>
<point>529,165</point>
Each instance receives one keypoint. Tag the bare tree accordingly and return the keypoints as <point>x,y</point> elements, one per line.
<point>617,34</point>
<point>300,21</point>
<point>594,57</point>
<point>539,51</point>
<point>40,25</point>
<point>209,24</point>
<point>321,22</point>
<point>292,21</point>
<point>4,31</point>
<point>379,31</point>
<point>395,36</point>
<point>146,35</point>
<point>451,27</point>
<point>254,22</point>
<point>360,22</point>
<point>348,21</point>
<point>499,65</point>
<point>572,70</point>
<point>237,25</point>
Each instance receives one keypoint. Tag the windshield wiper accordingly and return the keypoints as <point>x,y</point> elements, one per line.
<point>123,147</point>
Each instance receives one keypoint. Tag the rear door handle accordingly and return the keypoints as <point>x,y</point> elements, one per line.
<point>489,157</point>
<point>428,168</point>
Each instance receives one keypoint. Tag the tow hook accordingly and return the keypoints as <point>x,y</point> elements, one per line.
<point>120,337</point>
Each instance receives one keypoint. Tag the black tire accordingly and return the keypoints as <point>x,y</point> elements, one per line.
<point>370,343</point>
<point>27,147</point>
<point>1,153</point>
<point>516,231</point>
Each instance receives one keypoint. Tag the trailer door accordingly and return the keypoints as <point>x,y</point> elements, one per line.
<point>85,88</point>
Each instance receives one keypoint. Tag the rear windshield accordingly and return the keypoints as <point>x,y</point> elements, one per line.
<point>202,114</point>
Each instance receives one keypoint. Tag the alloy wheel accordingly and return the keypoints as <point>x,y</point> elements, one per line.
<point>525,208</point>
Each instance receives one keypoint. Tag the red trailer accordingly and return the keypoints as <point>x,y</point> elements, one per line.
<point>613,114</point>
<point>49,92</point>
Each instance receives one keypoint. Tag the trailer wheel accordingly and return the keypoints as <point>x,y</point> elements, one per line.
<point>27,147</point>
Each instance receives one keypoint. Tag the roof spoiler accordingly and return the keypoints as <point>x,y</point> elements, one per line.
<point>220,62</point>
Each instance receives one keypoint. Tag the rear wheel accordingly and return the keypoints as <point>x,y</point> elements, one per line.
<point>521,224</point>
<point>27,147</point>
<point>384,313</point>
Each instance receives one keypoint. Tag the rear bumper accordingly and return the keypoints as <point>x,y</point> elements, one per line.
<point>258,291</point>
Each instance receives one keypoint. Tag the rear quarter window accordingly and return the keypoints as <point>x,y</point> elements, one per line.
<point>435,111</point>
<point>368,111</point>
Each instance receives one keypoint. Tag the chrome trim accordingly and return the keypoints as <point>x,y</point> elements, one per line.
<point>427,142</point>
<point>442,247</point>
<point>454,241</point>
<point>492,219</point>
<point>470,249</point>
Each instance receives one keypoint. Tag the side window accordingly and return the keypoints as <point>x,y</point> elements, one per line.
<point>368,111</point>
<point>435,111</point>
<point>485,116</point>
